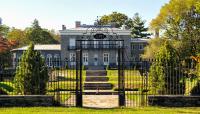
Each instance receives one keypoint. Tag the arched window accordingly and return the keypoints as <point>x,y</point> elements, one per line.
<point>49,60</point>
<point>56,60</point>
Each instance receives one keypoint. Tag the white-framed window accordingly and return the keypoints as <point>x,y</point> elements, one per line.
<point>85,44</point>
<point>133,46</point>
<point>140,57</point>
<point>106,58</point>
<point>96,44</point>
<point>106,44</point>
<point>57,60</point>
<point>72,58</point>
<point>72,42</point>
<point>119,43</point>
<point>49,60</point>
<point>85,58</point>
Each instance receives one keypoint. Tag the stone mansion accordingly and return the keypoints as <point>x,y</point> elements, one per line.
<point>96,52</point>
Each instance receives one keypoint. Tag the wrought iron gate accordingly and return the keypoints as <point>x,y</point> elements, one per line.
<point>80,46</point>
<point>79,97</point>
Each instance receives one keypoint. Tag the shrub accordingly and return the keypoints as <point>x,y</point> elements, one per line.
<point>31,75</point>
<point>2,92</point>
<point>163,75</point>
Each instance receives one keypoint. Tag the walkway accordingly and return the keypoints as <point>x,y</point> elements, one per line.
<point>100,101</point>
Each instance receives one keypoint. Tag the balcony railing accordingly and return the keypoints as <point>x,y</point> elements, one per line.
<point>96,46</point>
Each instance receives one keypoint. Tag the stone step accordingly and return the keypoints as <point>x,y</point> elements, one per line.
<point>97,86</point>
<point>96,68</point>
<point>96,78</point>
<point>96,73</point>
<point>101,93</point>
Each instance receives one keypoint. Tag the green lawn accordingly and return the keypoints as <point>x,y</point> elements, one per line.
<point>133,79</point>
<point>64,110</point>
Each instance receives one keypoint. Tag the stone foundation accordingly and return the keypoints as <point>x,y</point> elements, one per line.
<point>27,100</point>
<point>174,101</point>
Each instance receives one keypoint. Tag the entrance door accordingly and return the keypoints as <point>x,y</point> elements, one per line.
<point>106,58</point>
<point>85,58</point>
<point>95,60</point>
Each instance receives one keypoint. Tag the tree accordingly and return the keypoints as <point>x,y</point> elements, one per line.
<point>152,48</point>
<point>114,18</point>
<point>138,29</point>
<point>38,35</point>
<point>19,36</point>
<point>164,75</point>
<point>35,24</point>
<point>190,36</point>
<point>31,74</point>
<point>4,30</point>
<point>55,35</point>
<point>5,54</point>
<point>180,20</point>
<point>4,45</point>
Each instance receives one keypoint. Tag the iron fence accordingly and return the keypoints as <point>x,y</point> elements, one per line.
<point>61,82</point>
<point>138,79</point>
<point>160,77</point>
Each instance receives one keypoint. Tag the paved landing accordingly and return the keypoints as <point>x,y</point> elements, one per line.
<point>100,101</point>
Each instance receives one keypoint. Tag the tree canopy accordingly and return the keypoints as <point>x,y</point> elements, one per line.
<point>171,16</point>
<point>4,30</point>
<point>19,36</point>
<point>38,35</point>
<point>118,19</point>
<point>135,24</point>
<point>180,20</point>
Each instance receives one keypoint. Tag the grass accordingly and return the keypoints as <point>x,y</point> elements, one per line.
<point>189,85</point>
<point>66,75</point>
<point>64,80</point>
<point>133,79</point>
<point>64,110</point>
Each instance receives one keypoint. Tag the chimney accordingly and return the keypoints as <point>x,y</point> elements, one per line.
<point>63,27</point>
<point>77,24</point>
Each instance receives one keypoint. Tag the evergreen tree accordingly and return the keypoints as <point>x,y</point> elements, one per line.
<point>138,29</point>
<point>31,75</point>
<point>38,35</point>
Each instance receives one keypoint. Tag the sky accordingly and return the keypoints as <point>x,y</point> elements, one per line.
<point>52,14</point>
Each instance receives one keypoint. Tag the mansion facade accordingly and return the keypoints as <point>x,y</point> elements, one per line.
<point>96,51</point>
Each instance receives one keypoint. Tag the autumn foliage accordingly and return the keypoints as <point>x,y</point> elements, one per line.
<point>6,45</point>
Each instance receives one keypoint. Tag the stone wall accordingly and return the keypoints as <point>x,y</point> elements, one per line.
<point>28,100</point>
<point>174,101</point>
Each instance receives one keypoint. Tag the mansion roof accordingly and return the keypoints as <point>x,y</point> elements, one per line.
<point>41,47</point>
<point>138,40</point>
<point>82,30</point>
